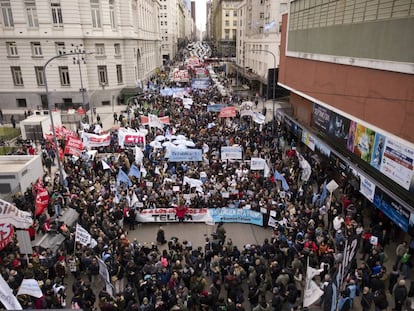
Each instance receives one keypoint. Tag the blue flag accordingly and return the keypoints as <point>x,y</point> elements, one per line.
<point>282,178</point>
<point>323,194</point>
<point>134,171</point>
<point>123,177</point>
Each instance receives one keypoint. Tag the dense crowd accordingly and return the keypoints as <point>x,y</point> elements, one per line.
<point>217,275</point>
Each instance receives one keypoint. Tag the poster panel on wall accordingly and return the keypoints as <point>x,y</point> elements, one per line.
<point>321,117</point>
<point>397,163</point>
<point>339,128</point>
<point>367,188</point>
<point>392,209</point>
<point>308,140</point>
<point>361,141</point>
<point>377,151</point>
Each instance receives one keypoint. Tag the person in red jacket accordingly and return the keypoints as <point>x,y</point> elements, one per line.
<point>180,212</point>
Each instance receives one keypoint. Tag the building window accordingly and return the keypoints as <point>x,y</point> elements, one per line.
<point>12,49</point>
<point>235,23</point>
<point>7,13</point>
<point>64,76</point>
<point>261,15</point>
<point>235,13</point>
<point>227,23</point>
<point>31,12</point>
<point>39,75</point>
<point>17,75</point>
<point>102,75</point>
<point>100,49</point>
<point>21,102</point>
<point>112,14</point>
<point>227,34</point>
<point>117,49</point>
<point>60,48</point>
<point>227,13</point>
<point>234,32</point>
<point>119,73</point>
<point>96,14</point>
<point>36,49</point>
<point>56,13</point>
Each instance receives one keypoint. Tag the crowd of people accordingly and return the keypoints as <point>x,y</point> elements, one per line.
<point>170,274</point>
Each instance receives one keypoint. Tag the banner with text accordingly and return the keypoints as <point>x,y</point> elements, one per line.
<point>231,153</point>
<point>182,155</point>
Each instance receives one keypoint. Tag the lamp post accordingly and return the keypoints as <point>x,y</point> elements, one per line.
<point>274,86</point>
<point>78,58</point>
<point>49,107</point>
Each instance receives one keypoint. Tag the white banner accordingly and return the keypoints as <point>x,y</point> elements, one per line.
<point>168,215</point>
<point>93,140</point>
<point>10,214</point>
<point>367,188</point>
<point>257,164</point>
<point>312,290</point>
<point>246,109</point>
<point>130,138</point>
<point>7,298</point>
<point>231,153</point>
<point>30,287</point>
<point>83,237</point>
<point>194,183</point>
<point>258,118</point>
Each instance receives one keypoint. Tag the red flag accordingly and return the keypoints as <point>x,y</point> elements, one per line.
<point>74,146</point>
<point>61,154</point>
<point>42,201</point>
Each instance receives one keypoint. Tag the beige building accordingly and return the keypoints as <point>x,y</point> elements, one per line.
<point>225,25</point>
<point>258,42</point>
<point>125,44</point>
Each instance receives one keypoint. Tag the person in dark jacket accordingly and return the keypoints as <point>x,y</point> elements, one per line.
<point>366,299</point>
<point>277,302</point>
<point>380,300</point>
<point>400,295</point>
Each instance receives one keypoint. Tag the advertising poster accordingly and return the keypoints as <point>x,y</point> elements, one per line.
<point>351,136</point>
<point>377,151</point>
<point>394,211</point>
<point>339,128</point>
<point>397,163</point>
<point>367,188</point>
<point>308,140</point>
<point>321,117</point>
<point>363,142</point>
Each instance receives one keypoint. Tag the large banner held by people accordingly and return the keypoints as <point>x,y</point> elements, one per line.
<point>74,146</point>
<point>129,138</point>
<point>182,155</point>
<point>10,214</point>
<point>169,215</point>
<point>237,215</point>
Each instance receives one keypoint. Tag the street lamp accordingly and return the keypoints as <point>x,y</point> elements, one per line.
<point>49,107</point>
<point>78,58</point>
<point>274,85</point>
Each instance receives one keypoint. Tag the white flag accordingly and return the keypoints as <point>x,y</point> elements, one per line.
<point>10,214</point>
<point>132,200</point>
<point>143,171</point>
<point>7,298</point>
<point>312,290</point>
<point>157,171</point>
<point>139,155</point>
<point>104,273</point>
<point>105,166</point>
<point>30,287</point>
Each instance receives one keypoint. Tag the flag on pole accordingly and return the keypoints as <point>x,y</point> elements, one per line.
<point>282,178</point>
<point>132,200</point>
<point>105,165</point>
<point>123,178</point>
<point>10,214</point>
<point>139,155</point>
<point>134,171</point>
<point>312,291</point>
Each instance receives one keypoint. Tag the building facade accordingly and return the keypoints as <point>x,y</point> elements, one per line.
<point>350,69</point>
<point>124,43</point>
<point>258,41</point>
<point>225,25</point>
